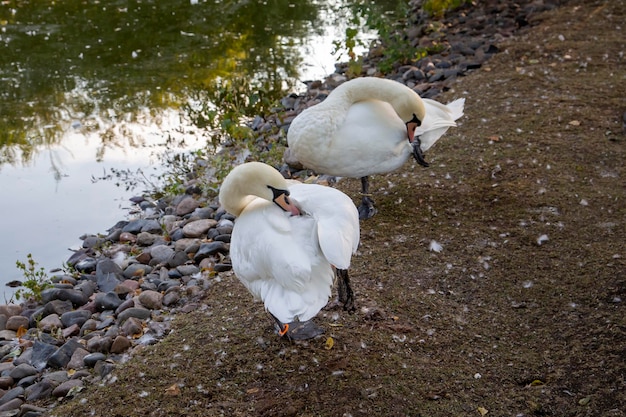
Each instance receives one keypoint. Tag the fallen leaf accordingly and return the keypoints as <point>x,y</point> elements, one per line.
<point>174,390</point>
<point>536,383</point>
<point>584,401</point>
<point>21,331</point>
<point>329,343</point>
<point>483,411</point>
<point>575,123</point>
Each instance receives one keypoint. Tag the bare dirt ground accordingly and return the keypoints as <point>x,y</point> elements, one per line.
<point>520,314</point>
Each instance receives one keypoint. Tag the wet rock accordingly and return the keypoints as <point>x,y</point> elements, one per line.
<point>161,254</point>
<point>22,370</point>
<point>139,313</point>
<point>93,358</point>
<point>186,206</point>
<point>41,354</point>
<point>107,301</point>
<point>10,405</point>
<point>120,344</point>
<point>108,275</point>
<point>208,249</point>
<point>62,356</point>
<point>15,322</point>
<point>64,389</point>
<point>76,317</point>
<point>151,299</point>
<point>198,228</point>
<point>50,323</point>
<point>38,391</point>
<point>77,361</point>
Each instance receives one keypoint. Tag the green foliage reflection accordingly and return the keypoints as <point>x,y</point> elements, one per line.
<point>98,62</point>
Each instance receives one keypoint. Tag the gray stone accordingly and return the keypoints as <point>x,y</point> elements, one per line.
<point>58,307</point>
<point>78,298</point>
<point>93,358</point>
<point>107,301</point>
<point>152,226</point>
<point>151,299</point>
<point>210,248</point>
<point>78,317</point>
<point>134,226</point>
<point>38,391</point>
<point>161,254</point>
<point>132,327</point>
<point>64,389</point>
<point>11,394</point>
<point>22,371</point>
<point>41,354</point>
<point>186,206</point>
<point>15,322</point>
<point>77,361</point>
<point>198,228</point>
<point>178,259</point>
<point>108,275</point>
<point>146,239</point>
<point>99,344</point>
<point>9,406</point>
<point>188,269</point>
<point>137,270</point>
<point>140,313</point>
<point>62,356</point>
<point>50,323</point>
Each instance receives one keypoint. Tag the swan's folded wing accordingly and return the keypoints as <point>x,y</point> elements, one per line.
<point>337,221</point>
<point>264,248</point>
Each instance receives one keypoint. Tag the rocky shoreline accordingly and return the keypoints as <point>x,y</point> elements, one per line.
<point>129,284</point>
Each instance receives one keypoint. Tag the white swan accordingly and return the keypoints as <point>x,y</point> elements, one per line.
<point>369,126</point>
<point>287,241</point>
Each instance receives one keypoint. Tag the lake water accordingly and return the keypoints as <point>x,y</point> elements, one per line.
<point>87,90</point>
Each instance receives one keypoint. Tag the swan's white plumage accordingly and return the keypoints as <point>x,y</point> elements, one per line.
<point>360,128</point>
<point>284,260</point>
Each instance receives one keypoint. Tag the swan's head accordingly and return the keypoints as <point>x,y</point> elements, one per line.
<point>255,179</point>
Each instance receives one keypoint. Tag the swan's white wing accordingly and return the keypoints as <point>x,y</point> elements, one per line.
<point>367,138</point>
<point>278,259</point>
<point>439,117</point>
<point>337,221</point>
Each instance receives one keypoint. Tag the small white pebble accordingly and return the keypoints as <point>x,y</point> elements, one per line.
<point>541,239</point>
<point>584,202</point>
<point>477,375</point>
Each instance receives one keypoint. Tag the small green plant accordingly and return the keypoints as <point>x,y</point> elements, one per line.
<point>36,280</point>
<point>437,8</point>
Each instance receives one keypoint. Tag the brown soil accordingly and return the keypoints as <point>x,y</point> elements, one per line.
<point>499,322</point>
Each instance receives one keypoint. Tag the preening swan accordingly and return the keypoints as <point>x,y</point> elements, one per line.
<point>369,126</point>
<point>287,241</point>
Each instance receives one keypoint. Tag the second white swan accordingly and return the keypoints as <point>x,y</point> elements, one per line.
<point>369,126</point>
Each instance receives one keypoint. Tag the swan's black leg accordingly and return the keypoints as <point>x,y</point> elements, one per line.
<point>344,291</point>
<point>366,209</point>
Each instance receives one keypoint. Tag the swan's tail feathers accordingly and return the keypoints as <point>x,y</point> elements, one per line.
<point>439,118</point>
<point>456,108</point>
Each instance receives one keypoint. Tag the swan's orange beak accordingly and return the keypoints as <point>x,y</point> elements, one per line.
<point>284,202</point>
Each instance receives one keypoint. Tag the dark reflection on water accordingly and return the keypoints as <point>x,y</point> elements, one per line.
<point>81,64</point>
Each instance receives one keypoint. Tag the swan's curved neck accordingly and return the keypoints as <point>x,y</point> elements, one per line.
<point>248,181</point>
<point>405,101</point>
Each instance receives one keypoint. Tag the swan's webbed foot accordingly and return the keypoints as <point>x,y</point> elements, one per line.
<point>297,330</point>
<point>418,154</point>
<point>302,330</point>
<point>366,209</point>
<point>344,290</point>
